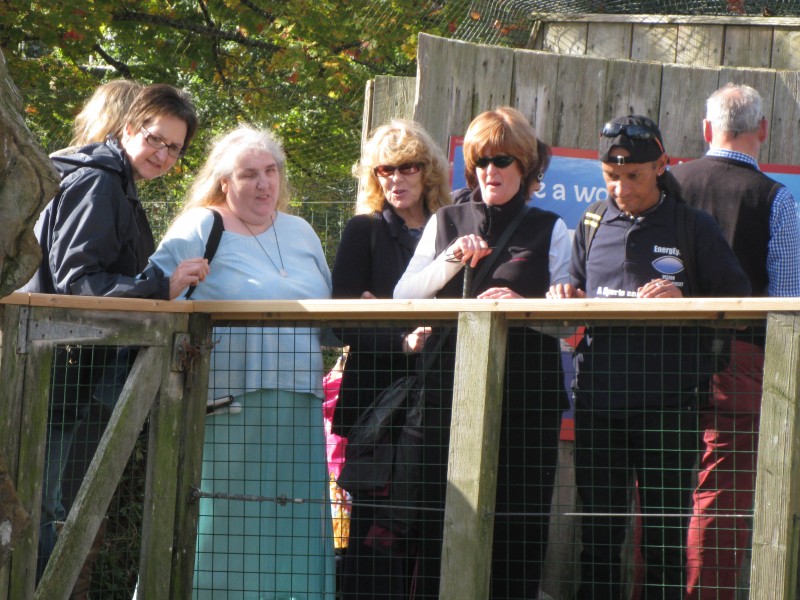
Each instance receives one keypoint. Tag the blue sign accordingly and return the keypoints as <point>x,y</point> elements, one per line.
<point>574,180</point>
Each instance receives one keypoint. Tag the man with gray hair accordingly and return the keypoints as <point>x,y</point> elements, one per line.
<point>758,217</point>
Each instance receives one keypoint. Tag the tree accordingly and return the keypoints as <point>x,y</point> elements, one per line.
<point>298,67</point>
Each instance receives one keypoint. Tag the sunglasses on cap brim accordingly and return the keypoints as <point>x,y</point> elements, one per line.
<point>631,131</point>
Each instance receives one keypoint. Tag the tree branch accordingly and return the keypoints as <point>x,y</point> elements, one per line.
<point>121,67</point>
<point>258,10</point>
<point>182,25</point>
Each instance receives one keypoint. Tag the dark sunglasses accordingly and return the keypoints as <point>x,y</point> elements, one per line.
<point>501,161</point>
<point>406,169</point>
<point>634,132</point>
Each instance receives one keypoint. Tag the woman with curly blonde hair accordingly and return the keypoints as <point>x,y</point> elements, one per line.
<point>403,180</point>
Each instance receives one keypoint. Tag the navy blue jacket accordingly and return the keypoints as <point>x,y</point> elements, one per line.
<point>94,235</point>
<point>635,367</point>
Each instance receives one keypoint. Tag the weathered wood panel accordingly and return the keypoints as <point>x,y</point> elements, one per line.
<point>747,46</point>
<point>388,98</point>
<point>535,82</point>
<point>104,472</point>
<point>579,101</point>
<point>784,148</point>
<point>777,499</point>
<point>444,103</point>
<point>492,77</point>
<point>564,38</point>
<point>682,113</point>
<point>190,459</point>
<point>609,40</point>
<point>161,479</point>
<point>786,48</point>
<point>35,371</point>
<point>700,45</point>
<point>474,452</point>
<point>632,88</point>
<point>654,42</point>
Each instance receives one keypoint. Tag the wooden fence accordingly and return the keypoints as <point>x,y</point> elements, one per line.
<point>169,382</point>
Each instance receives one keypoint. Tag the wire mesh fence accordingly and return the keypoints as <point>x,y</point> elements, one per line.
<point>325,466</point>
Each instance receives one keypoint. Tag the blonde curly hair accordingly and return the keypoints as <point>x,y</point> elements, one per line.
<point>399,142</point>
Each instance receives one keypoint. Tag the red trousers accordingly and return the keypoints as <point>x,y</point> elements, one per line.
<point>719,531</point>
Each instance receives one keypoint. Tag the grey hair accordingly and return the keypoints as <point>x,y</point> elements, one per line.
<point>735,108</point>
<point>223,158</point>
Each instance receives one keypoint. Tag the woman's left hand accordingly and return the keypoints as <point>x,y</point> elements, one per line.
<point>499,293</point>
<point>659,288</point>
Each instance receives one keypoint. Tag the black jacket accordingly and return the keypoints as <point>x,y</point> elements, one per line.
<point>376,357</point>
<point>94,235</point>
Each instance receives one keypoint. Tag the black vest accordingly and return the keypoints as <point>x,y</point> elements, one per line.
<point>524,264</point>
<point>739,197</point>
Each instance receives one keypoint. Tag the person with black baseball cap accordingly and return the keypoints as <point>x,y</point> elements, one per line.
<point>638,388</point>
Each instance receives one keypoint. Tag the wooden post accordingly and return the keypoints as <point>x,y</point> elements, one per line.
<point>162,475</point>
<point>190,459</point>
<point>777,502</point>
<point>474,451</point>
<point>104,473</point>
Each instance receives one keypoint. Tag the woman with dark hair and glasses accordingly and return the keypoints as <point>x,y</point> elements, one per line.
<point>503,167</point>
<point>403,180</point>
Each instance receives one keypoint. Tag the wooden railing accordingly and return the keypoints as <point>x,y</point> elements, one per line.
<point>168,383</point>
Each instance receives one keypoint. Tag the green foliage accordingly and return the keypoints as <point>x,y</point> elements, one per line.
<point>298,67</point>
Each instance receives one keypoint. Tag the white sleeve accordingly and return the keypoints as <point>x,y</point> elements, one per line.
<point>560,253</point>
<point>427,273</point>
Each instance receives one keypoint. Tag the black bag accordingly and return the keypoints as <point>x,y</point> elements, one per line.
<point>370,451</point>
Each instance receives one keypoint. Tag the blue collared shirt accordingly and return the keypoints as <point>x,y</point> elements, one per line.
<point>783,250</point>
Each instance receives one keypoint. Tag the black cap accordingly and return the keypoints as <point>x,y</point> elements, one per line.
<point>637,134</point>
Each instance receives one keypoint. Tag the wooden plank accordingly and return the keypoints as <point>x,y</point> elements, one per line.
<point>762,80</point>
<point>14,519</point>
<point>632,87</point>
<point>766,22</point>
<point>578,115</point>
<point>100,327</point>
<point>366,114</point>
<point>444,100</point>
<point>105,470</point>
<point>654,42</point>
<point>564,38</point>
<point>492,78</point>
<point>777,498</point>
<point>12,374</point>
<point>535,79</point>
<point>161,478</point>
<point>747,46</point>
<point>103,303</point>
<point>190,460</point>
<point>680,120</point>
<point>393,98</point>
<point>609,40</point>
<point>783,146</point>
<point>786,48</point>
<point>448,309</point>
<point>700,45</point>
<point>29,474</point>
<point>474,452</point>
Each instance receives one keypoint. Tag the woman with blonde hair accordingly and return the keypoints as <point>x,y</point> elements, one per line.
<point>266,437</point>
<point>403,180</point>
<point>517,251</point>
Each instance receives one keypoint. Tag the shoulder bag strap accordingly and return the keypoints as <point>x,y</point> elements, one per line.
<point>211,245</point>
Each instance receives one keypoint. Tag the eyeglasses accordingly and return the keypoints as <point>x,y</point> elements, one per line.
<point>501,161</point>
<point>634,132</point>
<point>405,169</point>
<point>174,150</point>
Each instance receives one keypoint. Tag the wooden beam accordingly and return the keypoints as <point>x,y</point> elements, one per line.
<point>776,531</point>
<point>190,460</point>
<point>474,451</point>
